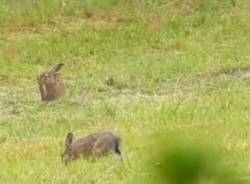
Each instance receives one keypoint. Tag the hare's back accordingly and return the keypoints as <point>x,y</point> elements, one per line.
<point>110,135</point>
<point>108,139</point>
<point>84,145</point>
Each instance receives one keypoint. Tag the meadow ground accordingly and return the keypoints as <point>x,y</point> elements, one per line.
<point>141,68</point>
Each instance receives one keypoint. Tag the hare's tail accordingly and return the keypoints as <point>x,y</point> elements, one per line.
<point>118,150</point>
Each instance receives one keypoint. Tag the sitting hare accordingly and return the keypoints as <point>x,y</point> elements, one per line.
<point>93,145</point>
<point>51,87</point>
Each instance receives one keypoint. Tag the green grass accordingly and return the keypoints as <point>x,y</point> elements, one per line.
<point>176,65</point>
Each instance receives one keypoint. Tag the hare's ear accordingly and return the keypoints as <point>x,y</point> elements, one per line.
<point>56,68</point>
<point>69,139</point>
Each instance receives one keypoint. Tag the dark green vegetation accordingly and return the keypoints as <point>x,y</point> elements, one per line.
<point>137,67</point>
<point>184,157</point>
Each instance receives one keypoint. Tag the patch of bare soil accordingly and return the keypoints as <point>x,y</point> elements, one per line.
<point>155,23</point>
<point>243,73</point>
<point>97,20</point>
<point>25,27</point>
<point>17,32</point>
<point>180,7</point>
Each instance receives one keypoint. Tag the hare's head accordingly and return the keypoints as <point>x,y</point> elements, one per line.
<point>67,155</point>
<point>51,77</point>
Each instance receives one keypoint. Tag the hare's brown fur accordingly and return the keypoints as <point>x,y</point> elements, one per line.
<point>93,145</point>
<point>51,86</point>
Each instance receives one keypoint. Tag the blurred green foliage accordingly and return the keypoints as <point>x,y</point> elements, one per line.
<point>189,158</point>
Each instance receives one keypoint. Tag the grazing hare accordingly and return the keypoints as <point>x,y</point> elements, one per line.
<point>93,145</point>
<point>51,87</point>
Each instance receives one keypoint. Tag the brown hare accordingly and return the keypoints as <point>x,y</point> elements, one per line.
<point>93,145</point>
<point>51,87</point>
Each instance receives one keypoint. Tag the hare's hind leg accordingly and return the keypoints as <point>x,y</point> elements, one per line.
<point>99,149</point>
<point>103,146</point>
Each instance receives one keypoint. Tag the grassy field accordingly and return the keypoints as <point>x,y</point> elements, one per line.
<point>176,65</point>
